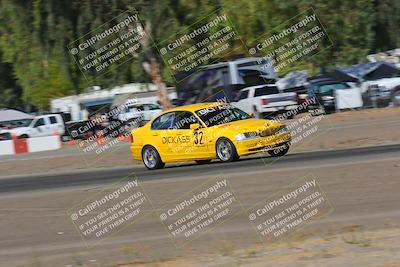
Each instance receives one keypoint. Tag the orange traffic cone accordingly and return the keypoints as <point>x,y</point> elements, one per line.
<point>71,142</point>
<point>100,139</point>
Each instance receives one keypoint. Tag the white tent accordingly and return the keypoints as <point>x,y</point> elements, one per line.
<point>13,115</point>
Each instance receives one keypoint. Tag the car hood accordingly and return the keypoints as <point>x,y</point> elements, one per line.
<point>252,125</point>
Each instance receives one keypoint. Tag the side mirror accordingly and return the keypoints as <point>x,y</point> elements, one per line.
<point>251,114</point>
<point>194,126</point>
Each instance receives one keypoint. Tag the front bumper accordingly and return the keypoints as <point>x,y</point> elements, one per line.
<point>262,144</point>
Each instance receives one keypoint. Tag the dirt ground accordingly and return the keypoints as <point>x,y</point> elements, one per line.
<point>362,230</point>
<point>351,246</point>
<point>337,131</point>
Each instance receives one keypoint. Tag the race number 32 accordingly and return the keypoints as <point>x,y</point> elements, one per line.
<point>198,138</point>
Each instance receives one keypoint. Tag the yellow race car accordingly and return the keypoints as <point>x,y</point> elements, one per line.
<point>206,131</point>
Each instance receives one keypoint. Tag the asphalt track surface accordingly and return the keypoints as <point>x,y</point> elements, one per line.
<point>105,176</point>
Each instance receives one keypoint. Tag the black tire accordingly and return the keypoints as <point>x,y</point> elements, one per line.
<point>279,151</point>
<point>204,161</point>
<point>396,98</point>
<point>226,150</point>
<point>151,159</point>
<point>23,136</point>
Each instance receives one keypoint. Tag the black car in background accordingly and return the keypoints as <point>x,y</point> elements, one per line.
<point>323,88</point>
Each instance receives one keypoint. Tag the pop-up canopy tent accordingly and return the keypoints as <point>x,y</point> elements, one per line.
<point>322,79</point>
<point>14,118</point>
<point>292,80</point>
<point>367,71</point>
<point>13,115</point>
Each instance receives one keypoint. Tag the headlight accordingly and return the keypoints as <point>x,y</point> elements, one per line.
<point>245,136</point>
<point>240,137</point>
<point>284,129</point>
<point>384,88</point>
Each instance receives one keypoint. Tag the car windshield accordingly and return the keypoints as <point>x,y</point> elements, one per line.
<point>17,123</point>
<point>220,114</point>
<point>326,88</point>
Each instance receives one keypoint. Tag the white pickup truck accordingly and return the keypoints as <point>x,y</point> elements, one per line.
<point>263,100</point>
<point>381,91</point>
<point>44,125</point>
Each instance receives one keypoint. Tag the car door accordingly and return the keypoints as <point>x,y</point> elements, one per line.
<point>56,124</point>
<point>160,134</point>
<point>40,128</point>
<point>187,143</point>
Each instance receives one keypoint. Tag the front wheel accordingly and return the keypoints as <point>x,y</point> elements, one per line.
<point>151,158</point>
<point>279,151</point>
<point>226,151</point>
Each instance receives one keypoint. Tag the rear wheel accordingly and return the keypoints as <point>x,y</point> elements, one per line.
<point>23,136</point>
<point>279,151</point>
<point>151,158</point>
<point>226,150</point>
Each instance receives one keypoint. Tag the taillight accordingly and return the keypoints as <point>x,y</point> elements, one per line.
<point>264,101</point>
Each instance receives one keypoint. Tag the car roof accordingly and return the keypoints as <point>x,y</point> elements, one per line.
<point>195,107</point>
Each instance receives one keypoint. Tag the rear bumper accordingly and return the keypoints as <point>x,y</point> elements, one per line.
<point>262,144</point>
<point>136,152</point>
<point>278,108</point>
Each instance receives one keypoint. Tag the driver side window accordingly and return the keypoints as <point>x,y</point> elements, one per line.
<point>164,122</point>
<point>183,119</point>
<point>39,122</point>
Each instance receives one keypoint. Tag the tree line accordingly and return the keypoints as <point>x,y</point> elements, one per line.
<point>36,66</point>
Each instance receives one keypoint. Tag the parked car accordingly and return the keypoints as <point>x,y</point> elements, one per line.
<point>331,95</point>
<point>266,100</point>
<point>379,82</point>
<point>142,112</point>
<point>382,91</point>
